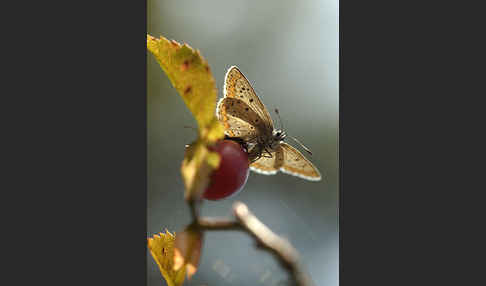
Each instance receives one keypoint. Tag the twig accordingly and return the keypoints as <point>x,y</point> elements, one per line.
<point>193,206</point>
<point>280,247</point>
<point>209,223</point>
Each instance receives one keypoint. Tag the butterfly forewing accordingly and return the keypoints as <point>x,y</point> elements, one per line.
<point>237,86</point>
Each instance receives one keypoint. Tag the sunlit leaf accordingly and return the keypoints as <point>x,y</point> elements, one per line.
<point>191,76</point>
<point>161,247</point>
<point>187,250</point>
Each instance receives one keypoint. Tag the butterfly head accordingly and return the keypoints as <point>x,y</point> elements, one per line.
<point>279,135</point>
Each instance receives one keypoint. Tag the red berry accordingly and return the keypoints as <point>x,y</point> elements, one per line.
<point>232,173</point>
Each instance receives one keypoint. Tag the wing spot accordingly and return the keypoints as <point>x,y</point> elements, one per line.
<point>256,120</point>
<point>251,99</point>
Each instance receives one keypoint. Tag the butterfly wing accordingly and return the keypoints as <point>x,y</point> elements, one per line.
<point>238,119</point>
<point>294,163</point>
<point>269,166</point>
<point>238,87</point>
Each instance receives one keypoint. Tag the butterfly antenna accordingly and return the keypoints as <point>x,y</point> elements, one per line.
<point>295,139</point>
<point>303,146</point>
<point>279,119</point>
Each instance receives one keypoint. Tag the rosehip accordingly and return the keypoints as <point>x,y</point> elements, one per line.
<point>232,173</point>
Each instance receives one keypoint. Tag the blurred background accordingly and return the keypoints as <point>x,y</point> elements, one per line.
<point>289,52</point>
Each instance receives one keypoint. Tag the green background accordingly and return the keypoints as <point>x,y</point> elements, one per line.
<point>289,51</point>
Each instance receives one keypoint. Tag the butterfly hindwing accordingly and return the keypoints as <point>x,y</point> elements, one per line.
<point>269,165</point>
<point>296,164</point>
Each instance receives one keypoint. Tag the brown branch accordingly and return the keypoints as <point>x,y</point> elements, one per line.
<point>209,223</point>
<point>268,240</point>
<point>193,207</point>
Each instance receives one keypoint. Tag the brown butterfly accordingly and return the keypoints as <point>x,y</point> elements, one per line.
<point>245,119</point>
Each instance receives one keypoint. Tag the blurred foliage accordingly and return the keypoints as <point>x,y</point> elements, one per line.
<point>187,251</point>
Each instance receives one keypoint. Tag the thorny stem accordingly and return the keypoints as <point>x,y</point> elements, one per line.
<point>246,221</point>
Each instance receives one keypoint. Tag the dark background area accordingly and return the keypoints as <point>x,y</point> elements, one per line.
<point>289,52</point>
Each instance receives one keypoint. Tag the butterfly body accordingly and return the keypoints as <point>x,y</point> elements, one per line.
<point>246,120</point>
<point>267,145</point>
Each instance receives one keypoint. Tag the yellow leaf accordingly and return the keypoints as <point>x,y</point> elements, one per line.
<point>196,169</point>
<point>191,76</point>
<point>214,132</point>
<point>162,249</point>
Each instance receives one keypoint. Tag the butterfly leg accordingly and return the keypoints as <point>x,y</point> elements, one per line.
<point>269,154</point>
<point>256,153</point>
<point>239,141</point>
<point>255,156</point>
<point>254,160</point>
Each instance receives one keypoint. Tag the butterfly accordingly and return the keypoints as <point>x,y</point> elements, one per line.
<point>246,120</point>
